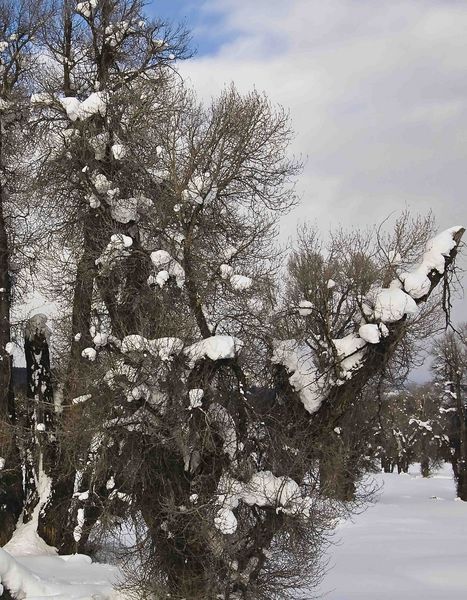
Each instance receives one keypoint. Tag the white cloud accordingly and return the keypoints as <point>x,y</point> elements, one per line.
<point>377,93</point>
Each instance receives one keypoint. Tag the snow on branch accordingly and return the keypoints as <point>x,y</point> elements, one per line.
<point>304,376</point>
<point>417,283</point>
<point>382,307</point>
<point>95,104</point>
<point>263,490</point>
<point>216,347</point>
<point>116,250</point>
<point>168,267</point>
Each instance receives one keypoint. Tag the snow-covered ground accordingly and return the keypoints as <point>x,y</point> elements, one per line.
<point>410,545</point>
<point>59,577</point>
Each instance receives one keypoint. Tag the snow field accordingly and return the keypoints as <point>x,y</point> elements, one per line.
<point>410,545</point>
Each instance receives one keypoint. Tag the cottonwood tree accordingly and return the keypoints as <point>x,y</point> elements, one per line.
<point>105,73</point>
<point>213,455</point>
<point>450,370</point>
<point>330,286</point>
<point>223,172</point>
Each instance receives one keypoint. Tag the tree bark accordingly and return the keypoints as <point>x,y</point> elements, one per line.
<point>462,483</point>
<point>461,417</point>
<point>39,454</point>
<point>336,478</point>
<point>82,305</point>
<point>11,495</point>
<point>425,467</point>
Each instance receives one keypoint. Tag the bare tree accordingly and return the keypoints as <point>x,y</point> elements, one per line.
<point>411,429</point>
<point>331,291</point>
<point>105,67</point>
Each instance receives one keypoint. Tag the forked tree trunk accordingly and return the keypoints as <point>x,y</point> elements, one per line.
<point>57,515</point>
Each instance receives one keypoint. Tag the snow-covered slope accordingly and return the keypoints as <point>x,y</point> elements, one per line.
<point>410,545</point>
<point>59,577</point>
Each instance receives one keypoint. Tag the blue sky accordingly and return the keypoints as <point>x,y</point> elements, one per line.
<point>200,17</point>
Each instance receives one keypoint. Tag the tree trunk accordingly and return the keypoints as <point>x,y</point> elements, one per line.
<point>462,482</point>
<point>425,467</point>
<point>59,513</point>
<point>82,306</point>
<point>462,464</point>
<point>336,480</point>
<point>40,451</point>
<point>11,495</point>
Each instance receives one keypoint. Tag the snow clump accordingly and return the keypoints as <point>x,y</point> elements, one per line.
<point>94,104</point>
<point>392,304</point>
<point>370,333</point>
<point>350,351</point>
<point>89,353</point>
<point>417,283</point>
<point>305,308</point>
<point>263,489</point>
<point>226,271</point>
<point>196,398</point>
<point>240,282</point>
<point>118,151</point>
<point>304,377</point>
<point>216,347</point>
<point>162,260</point>
<point>116,249</point>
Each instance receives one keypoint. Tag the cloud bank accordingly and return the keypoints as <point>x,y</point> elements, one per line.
<point>377,94</point>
